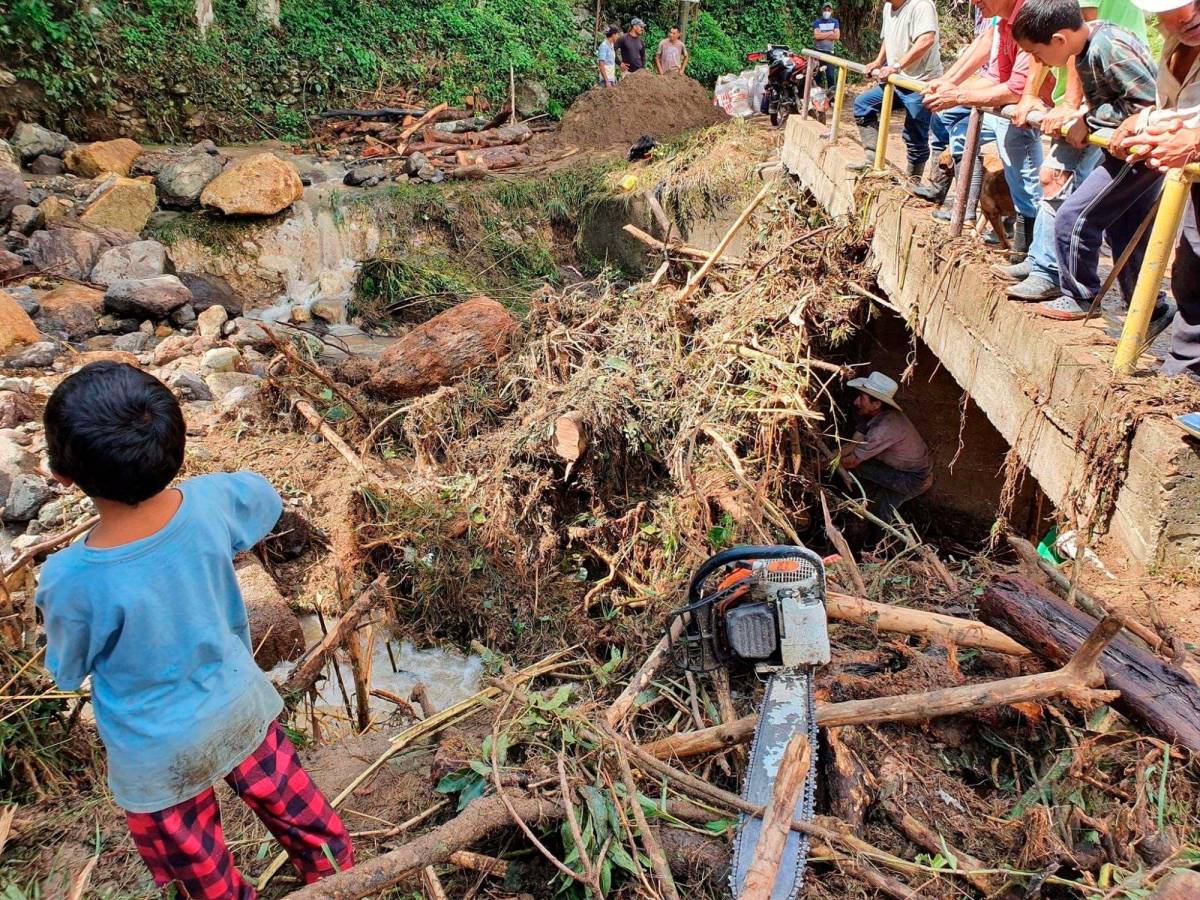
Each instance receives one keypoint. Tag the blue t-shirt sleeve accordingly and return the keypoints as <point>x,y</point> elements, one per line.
<point>252,508</point>
<point>68,632</point>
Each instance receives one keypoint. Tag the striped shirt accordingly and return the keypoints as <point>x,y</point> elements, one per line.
<point>1117,73</point>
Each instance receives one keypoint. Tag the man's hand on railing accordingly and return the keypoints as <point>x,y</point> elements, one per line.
<point>1117,145</point>
<point>1164,146</point>
<point>944,99</point>
<point>880,73</point>
<point>937,85</point>
<point>1025,106</point>
<point>1077,134</point>
<point>1055,120</point>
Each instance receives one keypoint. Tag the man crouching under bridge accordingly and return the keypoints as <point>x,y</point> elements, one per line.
<point>891,460</point>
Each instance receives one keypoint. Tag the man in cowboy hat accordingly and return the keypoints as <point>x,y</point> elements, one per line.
<point>891,460</point>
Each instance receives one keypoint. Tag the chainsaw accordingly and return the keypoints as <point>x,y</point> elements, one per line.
<point>765,607</point>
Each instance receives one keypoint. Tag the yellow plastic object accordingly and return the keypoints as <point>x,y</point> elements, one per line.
<point>628,183</point>
<point>1145,295</point>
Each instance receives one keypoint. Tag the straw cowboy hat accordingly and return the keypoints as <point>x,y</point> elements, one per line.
<point>879,386</point>
<point>1157,6</point>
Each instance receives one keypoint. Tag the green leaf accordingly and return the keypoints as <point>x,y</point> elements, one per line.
<point>560,697</point>
<point>618,855</point>
<point>455,781</point>
<point>474,792</point>
<point>618,364</point>
<point>481,767</point>
<point>719,826</point>
<point>606,874</point>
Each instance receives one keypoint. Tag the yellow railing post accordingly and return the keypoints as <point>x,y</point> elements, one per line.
<point>885,122</point>
<point>839,97</point>
<point>1171,208</point>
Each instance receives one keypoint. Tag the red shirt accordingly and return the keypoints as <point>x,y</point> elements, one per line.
<point>1011,64</point>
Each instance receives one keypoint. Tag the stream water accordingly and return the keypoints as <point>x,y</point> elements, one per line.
<point>397,667</point>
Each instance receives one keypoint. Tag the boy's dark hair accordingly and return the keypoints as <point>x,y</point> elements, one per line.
<point>1038,20</point>
<point>115,431</point>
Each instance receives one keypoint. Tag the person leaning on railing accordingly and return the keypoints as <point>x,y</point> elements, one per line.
<point>1117,75</point>
<point>1167,137</point>
<point>911,48</point>
<point>1020,148</point>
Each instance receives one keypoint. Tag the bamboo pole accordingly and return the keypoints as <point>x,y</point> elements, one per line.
<point>692,286</point>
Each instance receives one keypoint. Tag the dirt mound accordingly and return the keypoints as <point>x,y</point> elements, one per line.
<point>645,102</point>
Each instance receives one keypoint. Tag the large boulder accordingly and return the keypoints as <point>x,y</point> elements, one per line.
<point>27,219</point>
<point>146,298</point>
<point>472,335</point>
<point>259,185</point>
<point>211,290</point>
<point>532,98</point>
<point>275,632</point>
<point>103,158</point>
<point>49,166</point>
<point>8,157</point>
<point>16,328</point>
<point>31,141</point>
<point>66,251</point>
<point>28,494</point>
<point>13,193</point>
<point>121,203</point>
<point>14,461</point>
<point>72,310</point>
<point>141,259</point>
<point>182,181</point>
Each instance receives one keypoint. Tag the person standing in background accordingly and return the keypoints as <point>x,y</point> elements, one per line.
<point>827,31</point>
<point>632,49</point>
<point>672,55</point>
<point>606,57</point>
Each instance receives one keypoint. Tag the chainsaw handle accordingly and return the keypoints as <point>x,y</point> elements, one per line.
<point>739,554</point>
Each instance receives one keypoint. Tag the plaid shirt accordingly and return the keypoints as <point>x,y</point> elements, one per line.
<point>1117,73</point>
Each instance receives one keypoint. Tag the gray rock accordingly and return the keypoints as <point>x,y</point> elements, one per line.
<point>190,387</point>
<point>15,460</point>
<point>222,383</point>
<point>211,290</point>
<point>31,141</point>
<point>53,513</point>
<point>34,356</point>
<point>365,176</point>
<point>221,359</point>
<point>70,252</point>
<point>248,333</point>
<point>8,157</point>
<point>205,146</point>
<point>27,495</point>
<point>431,175</point>
<point>13,193</point>
<point>141,259</point>
<point>151,163</point>
<point>532,98</point>
<point>210,322</point>
<point>415,162</point>
<point>110,324</point>
<point>47,165</point>
<point>16,409</point>
<point>184,316</point>
<point>155,298</point>
<point>37,196</point>
<point>181,181</point>
<point>31,306</point>
<point>27,219</point>
<point>15,242</point>
<point>135,342</point>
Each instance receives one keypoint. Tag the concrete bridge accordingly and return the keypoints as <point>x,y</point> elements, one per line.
<point>1047,387</point>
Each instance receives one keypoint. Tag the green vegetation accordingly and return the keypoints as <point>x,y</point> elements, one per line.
<point>504,239</point>
<point>146,60</point>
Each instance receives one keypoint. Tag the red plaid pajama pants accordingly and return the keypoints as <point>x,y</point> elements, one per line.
<point>183,845</point>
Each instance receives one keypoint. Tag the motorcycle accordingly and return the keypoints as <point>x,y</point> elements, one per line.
<point>784,92</point>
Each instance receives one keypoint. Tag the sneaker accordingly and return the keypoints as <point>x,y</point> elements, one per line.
<point>1018,272</point>
<point>863,166</point>
<point>1035,287</point>
<point>1064,309</point>
<point>1189,422</point>
<point>1164,315</point>
<point>946,213</point>
<point>991,238</point>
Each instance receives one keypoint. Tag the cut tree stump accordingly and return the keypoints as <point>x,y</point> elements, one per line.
<point>1158,696</point>
<point>570,436</point>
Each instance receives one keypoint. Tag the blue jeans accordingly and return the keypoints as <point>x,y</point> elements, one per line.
<point>1043,260</point>
<point>949,129</point>
<point>916,119</point>
<point>1021,152</point>
<point>889,488</point>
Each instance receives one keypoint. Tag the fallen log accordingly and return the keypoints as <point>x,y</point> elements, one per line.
<point>1163,698</point>
<point>467,173</point>
<point>1073,680</point>
<point>975,870</point>
<point>496,157</point>
<point>698,279</point>
<point>641,680</point>
<point>776,824</point>
<point>416,126</point>
<point>477,862</point>
<point>480,819</point>
<point>885,617</point>
<point>384,112</point>
<point>679,249</point>
<point>849,783</point>
<point>305,673</point>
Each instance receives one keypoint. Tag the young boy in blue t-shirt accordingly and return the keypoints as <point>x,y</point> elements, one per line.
<point>148,605</point>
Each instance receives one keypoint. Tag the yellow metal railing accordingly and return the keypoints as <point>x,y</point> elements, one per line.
<point>1168,220</point>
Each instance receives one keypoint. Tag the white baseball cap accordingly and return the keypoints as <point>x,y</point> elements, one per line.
<point>879,386</point>
<point>1159,6</point>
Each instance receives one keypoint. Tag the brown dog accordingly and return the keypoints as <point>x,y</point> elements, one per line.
<point>995,202</point>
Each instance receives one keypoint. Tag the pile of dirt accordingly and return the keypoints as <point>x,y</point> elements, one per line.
<point>645,102</point>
